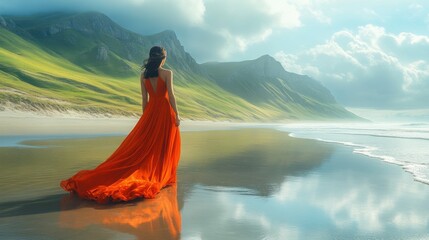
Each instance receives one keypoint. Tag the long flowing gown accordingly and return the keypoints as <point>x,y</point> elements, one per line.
<point>144,163</point>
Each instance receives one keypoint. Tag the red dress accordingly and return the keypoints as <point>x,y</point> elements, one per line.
<point>145,161</point>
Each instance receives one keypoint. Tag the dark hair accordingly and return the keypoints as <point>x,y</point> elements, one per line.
<point>151,65</point>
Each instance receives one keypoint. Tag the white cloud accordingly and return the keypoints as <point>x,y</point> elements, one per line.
<point>415,7</point>
<point>164,14</point>
<point>286,15</point>
<point>241,24</point>
<point>226,27</point>
<point>369,67</point>
<point>236,29</point>
<point>320,16</point>
<point>193,10</point>
<point>314,9</point>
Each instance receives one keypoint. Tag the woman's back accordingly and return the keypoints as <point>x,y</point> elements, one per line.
<point>147,159</point>
<point>156,87</point>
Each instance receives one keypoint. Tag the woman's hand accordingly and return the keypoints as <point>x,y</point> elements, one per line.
<point>177,121</point>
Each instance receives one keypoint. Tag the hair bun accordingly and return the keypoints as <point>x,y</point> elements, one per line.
<point>157,55</point>
<point>157,52</point>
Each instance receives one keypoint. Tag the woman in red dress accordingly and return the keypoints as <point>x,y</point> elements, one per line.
<point>147,159</point>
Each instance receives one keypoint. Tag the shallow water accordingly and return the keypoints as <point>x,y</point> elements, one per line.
<point>402,144</point>
<point>237,184</point>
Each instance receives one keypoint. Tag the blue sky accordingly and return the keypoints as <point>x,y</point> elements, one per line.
<point>370,54</point>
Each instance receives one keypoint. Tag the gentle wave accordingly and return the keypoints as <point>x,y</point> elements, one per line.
<point>415,124</point>
<point>386,136</point>
<point>419,170</point>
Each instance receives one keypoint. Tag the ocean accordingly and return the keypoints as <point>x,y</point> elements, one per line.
<point>402,144</point>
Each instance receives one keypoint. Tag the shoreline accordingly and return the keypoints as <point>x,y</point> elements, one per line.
<point>18,123</point>
<point>15,122</point>
<point>247,170</point>
<point>254,177</point>
<point>370,148</point>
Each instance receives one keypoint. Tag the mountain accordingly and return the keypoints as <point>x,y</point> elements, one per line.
<point>96,43</point>
<point>264,82</point>
<point>85,62</point>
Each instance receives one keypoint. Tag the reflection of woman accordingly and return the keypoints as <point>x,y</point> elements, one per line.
<point>147,159</point>
<point>151,219</point>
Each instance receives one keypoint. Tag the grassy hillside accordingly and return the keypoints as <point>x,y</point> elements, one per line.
<point>264,82</point>
<point>85,62</point>
<point>32,79</point>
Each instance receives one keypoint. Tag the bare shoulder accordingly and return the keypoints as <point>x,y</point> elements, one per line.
<point>165,73</point>
<point>142,76</point>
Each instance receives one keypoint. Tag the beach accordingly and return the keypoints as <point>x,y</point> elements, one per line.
<point>16,123</point>
<point>235,181</point>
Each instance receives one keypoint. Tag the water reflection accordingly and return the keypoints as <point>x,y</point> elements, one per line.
<point>238,184</point>
<point>255,159</point>
<point>157,218</point>
<point>350,197</point>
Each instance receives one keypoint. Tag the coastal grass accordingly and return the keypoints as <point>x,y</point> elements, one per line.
<point>34,79</point>
<point>47,77</point>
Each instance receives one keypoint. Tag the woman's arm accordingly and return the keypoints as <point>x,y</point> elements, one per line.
<point>171,96</point>
<point>144,92</point>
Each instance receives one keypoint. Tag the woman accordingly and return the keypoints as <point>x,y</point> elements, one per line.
<point>147,159</point>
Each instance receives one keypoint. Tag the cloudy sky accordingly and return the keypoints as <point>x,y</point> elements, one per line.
<point>370,54</point>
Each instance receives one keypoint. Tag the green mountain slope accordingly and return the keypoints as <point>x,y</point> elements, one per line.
<point>264,82</point>
<point>85,62</point>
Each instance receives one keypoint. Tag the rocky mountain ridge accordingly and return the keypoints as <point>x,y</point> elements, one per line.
<point>95,44</point>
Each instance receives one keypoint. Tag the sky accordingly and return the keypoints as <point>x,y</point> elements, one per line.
<point>369,54</point>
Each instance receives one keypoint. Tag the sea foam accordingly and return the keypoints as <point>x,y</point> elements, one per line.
<point>405,145</point>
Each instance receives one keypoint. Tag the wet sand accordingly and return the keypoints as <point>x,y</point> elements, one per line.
<point>232,184</point>
<point>16,123</point>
